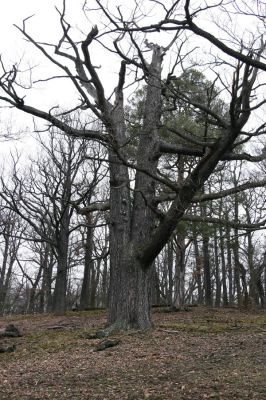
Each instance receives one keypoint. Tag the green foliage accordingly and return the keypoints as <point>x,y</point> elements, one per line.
<point>178,112</point>
<point>183,94</point>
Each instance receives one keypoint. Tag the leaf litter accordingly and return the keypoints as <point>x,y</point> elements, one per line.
<point>203,354</point>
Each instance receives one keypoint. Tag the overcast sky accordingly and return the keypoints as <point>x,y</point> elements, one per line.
<point>44,26</point>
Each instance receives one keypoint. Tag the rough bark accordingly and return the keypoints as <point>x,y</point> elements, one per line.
<point>229,266</point>
<point>223,265</point>
<point>47,261</point>
<point>155,287</point>
<point>198,268</point>
<point>170,267</point>
<point>59,296</point>
<point>105,283</point>
<point>179,279</point>
<point>237,265</point>
<point>3,277</point>
<point>206,259</point>
<point>88,266</point>
<point>217,271</point>
<point>129,302</point>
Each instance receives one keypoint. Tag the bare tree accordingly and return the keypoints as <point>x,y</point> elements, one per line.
<point>11,239</point>
<point>139,229</point>
<point>46,197</point>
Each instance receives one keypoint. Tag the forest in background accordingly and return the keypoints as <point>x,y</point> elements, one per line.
<point>216,256</point>
<point>162,195</point>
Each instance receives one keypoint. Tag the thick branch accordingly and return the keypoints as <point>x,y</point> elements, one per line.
<point>169,148</point>
<point>214,196</point>
<point>80,133</point>
<point>238,225</point>
<point>228,192</point>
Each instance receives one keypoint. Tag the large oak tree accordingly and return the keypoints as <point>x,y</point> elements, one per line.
<point>138,228</point>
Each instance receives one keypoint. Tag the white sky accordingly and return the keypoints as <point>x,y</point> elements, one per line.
<point>43,26</point>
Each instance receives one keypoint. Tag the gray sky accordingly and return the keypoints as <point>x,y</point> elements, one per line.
<point>44,26</point>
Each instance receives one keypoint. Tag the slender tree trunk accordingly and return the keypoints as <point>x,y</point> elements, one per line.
<point>47,281</point>
<point>104,299</point>
<point>179,300</point>
<point>164,275</point>
<point>31,307</point>
<point>155,287</point>
<point>9,258</point>
<point>59,298</point>
<point>3,292</point>
<point>7,282</point>
<point>263,290</point>
<point>207,271</point>
<point>93,286</point>
<point>46,260</point>
<point>198,268</point>
<point>223,264</point>
<point>206,259</point>
<point>169,268</point>
<point>236,253</point>
<point>264,271</point>
<point>229,266</point>
<point>217,271</point>
<point>88,267</point>
<point>254,272</point>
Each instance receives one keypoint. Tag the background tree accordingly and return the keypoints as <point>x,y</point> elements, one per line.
<point>12,230</point>
<point>46,196</point>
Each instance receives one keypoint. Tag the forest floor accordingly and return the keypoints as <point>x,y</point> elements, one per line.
<point>201,354</point>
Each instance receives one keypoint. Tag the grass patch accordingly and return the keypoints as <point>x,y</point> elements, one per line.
<point>24,317</point>
<point>51,341</point>
<point>254,324</point>
<point>88,313</point>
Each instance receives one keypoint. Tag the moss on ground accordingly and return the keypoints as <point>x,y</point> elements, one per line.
<point>255,323</point>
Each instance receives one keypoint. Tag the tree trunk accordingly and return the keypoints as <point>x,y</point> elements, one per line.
<point>229,266</point>
<point>170,266</point>
<point>207,271</point>
<point>3,273</point>
<point>95,277</point>
<point>129,303</point>
<point>236,254</point>
<point>206,258</point>
<point>46,301</point>
<point>198,268</point>
<point>179,300</point>
<point>104,297</point>
<point>224,283</point>
<point>31,307</point>
<point>132,299</point>
<point>263,290</point>
<point>217,271</point>
<point>155,287</point>
<point>255,273</point>
<point>88,267</point>
<point>59,298</point>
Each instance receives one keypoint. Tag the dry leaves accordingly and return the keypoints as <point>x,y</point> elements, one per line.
<point>187,356</point>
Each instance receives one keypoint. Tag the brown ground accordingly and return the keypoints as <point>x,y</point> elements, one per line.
<point>202,354</point>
